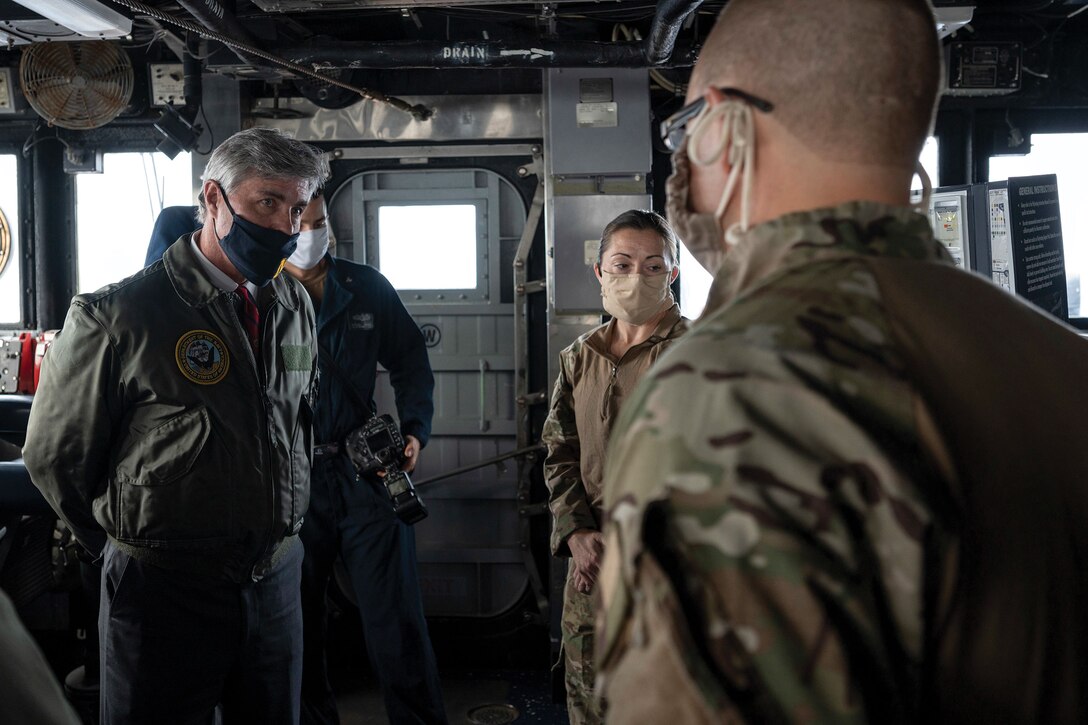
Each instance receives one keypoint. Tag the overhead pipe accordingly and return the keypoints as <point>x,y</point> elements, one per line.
<point>193,80</point>
<point>418,111</point>
<point>481,54</point>
<point>668,19</point>
<point>212,16</point>
<point>656,51</point>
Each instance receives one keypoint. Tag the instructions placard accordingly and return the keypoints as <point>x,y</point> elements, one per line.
<point>598,115</point>
<point>1037,250</point>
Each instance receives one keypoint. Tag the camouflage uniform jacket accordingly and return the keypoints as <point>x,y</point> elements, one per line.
<point>774,483</point>
<point>591,387</point>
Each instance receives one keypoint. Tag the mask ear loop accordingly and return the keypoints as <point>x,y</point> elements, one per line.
<point>922,207</point>
<point>738,131</point>
<point>223,194</point>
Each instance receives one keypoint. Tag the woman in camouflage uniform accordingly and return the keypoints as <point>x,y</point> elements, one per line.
<point>636,263</point>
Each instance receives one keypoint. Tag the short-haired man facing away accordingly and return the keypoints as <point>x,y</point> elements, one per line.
<point>841,497</point>
<point>171,432</point>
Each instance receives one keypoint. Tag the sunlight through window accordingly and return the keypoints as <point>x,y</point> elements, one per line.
<point>9,248</point>
<point>428,246</point>
<point>1062,154</point>
<point>116,211</point>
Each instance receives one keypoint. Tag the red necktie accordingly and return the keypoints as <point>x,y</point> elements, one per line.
<point>249,316</point>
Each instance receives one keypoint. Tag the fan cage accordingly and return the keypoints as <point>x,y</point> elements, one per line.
<point>77,86</point>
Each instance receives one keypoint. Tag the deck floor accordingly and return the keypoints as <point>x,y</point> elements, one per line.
<point>472,698</point>
<point>480,665</point>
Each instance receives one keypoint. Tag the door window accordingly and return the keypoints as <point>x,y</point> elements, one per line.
<point>428,246</point>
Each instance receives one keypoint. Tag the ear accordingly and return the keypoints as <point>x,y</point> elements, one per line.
<point>212,194</point>
<point>712,136</point>
<point>597,271</point>
<point>713,95</point>
<point>675,273</point>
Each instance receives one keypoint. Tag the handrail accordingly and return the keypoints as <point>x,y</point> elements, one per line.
<point>518,453</point>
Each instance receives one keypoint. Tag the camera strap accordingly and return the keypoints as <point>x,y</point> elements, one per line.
<point>338,372</point>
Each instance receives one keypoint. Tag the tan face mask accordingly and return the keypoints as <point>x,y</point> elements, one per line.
<point>702,233</point>
<point>635,298</point>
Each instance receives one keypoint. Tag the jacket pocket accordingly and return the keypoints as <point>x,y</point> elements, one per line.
<point>173,489</point>
<point>167,452</point>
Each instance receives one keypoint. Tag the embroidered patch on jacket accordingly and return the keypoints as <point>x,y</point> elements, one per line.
<point>202,357</point>
<point>361,321</point>
<point>296,357</point>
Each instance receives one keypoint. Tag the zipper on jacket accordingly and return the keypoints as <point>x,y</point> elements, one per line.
<point>649,342</point>
<point>266,404</point>
<point>264,416</point>
<point>608,390</point>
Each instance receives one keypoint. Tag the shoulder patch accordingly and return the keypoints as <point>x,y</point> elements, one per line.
<point>202,357</point>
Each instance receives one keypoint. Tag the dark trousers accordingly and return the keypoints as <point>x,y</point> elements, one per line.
<point>356,521</point>
<point>174,645</point>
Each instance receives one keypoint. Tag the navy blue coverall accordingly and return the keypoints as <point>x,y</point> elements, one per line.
<point>362,322</point>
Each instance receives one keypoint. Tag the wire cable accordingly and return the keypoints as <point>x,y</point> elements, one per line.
<point>211,134</point>
<point>33,140</point>
<point>676,89</point>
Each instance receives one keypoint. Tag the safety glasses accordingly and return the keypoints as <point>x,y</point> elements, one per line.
<point>674,128</point>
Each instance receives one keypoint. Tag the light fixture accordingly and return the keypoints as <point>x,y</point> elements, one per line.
<point>88,18</point>
<point>949,19</point>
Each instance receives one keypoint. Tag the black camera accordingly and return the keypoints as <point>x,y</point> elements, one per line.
<point>377,446</point>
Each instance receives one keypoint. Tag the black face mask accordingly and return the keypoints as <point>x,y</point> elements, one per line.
<point>257,252</point>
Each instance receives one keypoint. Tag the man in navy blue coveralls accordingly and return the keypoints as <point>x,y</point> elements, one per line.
<point>361,322</point>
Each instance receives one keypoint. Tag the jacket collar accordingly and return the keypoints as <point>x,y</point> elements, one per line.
<point>858,228</point>
<point>192,285</point>
<point>598,340</point>
<point>338,294</point>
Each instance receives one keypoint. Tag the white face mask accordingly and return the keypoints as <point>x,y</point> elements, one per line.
<point>635,298</point>
<point>312,245</point>
<point>702,233</point>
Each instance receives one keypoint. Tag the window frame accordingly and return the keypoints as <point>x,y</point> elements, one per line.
<point>372,245</point>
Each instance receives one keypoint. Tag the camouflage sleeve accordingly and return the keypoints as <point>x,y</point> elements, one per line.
<point>762,555</point>
<point>567,498</point>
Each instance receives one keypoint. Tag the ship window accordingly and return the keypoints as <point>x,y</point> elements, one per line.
<point>116,210</point>
<point>10,306</point>
<point>428,246</point>
<point>440,236</point>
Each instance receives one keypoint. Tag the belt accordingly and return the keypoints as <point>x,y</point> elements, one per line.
<point>327,449</point>
<point>216,564</point>
<point>261,569</point>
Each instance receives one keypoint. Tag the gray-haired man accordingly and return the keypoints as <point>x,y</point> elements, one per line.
<point>171,431</point>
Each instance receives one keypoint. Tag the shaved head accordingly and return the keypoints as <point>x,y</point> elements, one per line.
<point>854,80</point>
